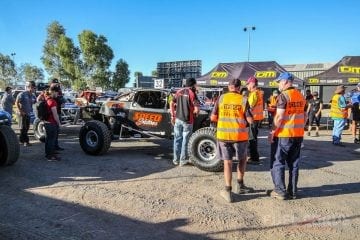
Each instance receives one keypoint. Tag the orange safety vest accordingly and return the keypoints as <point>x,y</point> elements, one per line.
<point>272,104</point>
<point>258,110</point>
<point>231,124</point>
<point>335,110</point>
<point>293,122</point>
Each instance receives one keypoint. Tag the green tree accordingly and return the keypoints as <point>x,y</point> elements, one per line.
<point>154,73</point>
<point>97,57</point>
<point>29,72</point>
<point>60,56</point>
<point>7,71</point>
<point>121,75</point>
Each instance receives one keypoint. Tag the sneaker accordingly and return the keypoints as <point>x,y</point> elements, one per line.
<point>183,163</point>
<point>291,195</point>
<point>175,162</point>
<point>242,189</point>
<point>276,195</point>
<point>226,195</point>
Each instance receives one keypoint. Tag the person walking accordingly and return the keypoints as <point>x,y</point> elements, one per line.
<point>184,107</point>
<point>271,106</point>
<point>257,109</point>
<point>339,113</point>
<point>232,114</point>
<point>286,138</point>
<point>355,111</point>
<point>8,101</point>
<point>315,106</point>
<point>24,102</point>
<point>52,123</point>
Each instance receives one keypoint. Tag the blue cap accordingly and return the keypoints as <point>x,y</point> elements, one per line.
<point>285,76</point>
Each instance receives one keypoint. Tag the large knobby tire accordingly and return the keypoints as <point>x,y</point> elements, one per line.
<point>94,138</point>
<point>9,146</point>
<point>202,150</point>
<point>39,130</point>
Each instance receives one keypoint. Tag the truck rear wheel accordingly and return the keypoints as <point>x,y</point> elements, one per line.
<point>10,148</point>
<point>202,150</point>
<point>94,138</point>
<point>39,130</point>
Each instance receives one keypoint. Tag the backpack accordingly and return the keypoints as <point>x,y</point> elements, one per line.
<point>42,110</point>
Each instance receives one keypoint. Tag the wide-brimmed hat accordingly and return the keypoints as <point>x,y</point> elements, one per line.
<point>340,89</point>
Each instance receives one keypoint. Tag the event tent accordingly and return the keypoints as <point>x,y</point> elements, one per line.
<point>265,72</point>
<point>346,72</point>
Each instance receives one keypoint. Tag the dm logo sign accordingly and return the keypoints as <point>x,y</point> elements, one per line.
<point>349,69</point>
<point>219,74</point>
<point>265,74</point>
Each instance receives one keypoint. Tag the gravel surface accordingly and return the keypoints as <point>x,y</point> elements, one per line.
<point>134,192</point>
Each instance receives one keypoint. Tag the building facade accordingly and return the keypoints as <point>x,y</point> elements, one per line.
<point>175,72</point>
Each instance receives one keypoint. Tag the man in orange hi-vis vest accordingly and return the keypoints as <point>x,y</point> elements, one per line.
<point>286,138</point>
<point>232,114</point>
<point>256,101</point>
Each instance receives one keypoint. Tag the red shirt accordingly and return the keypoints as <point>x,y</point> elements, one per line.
<point>50,104</point>
<point>185,100</point>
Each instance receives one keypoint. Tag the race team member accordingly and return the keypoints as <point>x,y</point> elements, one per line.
<point>257,110</point>
<point>286,138</point>
<point>315,106</point>
<point>232,114</point>
<point>339,113</point>
<point>355,111</point>
<point>183,109</point>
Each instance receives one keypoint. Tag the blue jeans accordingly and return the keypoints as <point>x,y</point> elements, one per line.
<point>50,139</point>
<point>182,133</point>
<point>339,125</point>
<point>285,150</point>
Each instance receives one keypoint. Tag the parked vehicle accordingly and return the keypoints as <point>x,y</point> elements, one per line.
<point>9,144</point>
<point>144,113</point>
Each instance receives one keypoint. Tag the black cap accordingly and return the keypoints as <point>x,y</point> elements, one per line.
<point>190,82</point>
<point>235,82</point>
<point>54,80</point>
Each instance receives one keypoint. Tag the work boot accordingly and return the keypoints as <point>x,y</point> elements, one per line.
<point>276,195</point>
<point>242,189</point>
<point>226,195</point>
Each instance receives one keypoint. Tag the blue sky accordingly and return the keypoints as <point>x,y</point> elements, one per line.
<point>144,32</point>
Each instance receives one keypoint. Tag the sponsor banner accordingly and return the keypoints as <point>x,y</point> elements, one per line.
<point>147,119</point>
<point>349,69</point>
<point>265,74</point>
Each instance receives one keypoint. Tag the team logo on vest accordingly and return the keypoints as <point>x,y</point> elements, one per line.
<point>265,74</point>
<point>349,69</point>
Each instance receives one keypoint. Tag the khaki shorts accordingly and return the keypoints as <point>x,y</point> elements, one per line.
<point>232,150</point>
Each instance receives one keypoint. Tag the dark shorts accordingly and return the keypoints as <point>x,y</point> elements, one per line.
<point>229,150</point>
<point>355,112</point>
<point>313,118</point>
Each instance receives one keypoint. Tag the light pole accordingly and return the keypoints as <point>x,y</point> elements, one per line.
<point>13,59</point>
<point>249,29</point>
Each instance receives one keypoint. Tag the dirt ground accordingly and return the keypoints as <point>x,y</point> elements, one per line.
<point>134,192</point>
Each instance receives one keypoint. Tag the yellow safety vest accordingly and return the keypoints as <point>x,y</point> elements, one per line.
<point>231,124</point>
<point>335,110</point>
<point>292,124</point>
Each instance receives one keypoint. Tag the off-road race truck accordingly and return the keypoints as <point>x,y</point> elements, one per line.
<point>9,144</point>
<point>145,113</point>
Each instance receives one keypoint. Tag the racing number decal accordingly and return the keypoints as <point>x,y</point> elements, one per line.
<point>147,119</point>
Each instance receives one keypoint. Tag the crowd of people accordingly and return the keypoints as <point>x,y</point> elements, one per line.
<point>237,113</point>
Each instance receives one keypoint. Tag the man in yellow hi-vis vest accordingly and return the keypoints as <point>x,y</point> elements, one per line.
<point>286,138</point>
<point>256,101</point>
<point>232,114</point>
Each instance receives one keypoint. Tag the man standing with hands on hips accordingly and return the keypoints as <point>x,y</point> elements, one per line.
<point>286,138</point>
<point>183,108</point>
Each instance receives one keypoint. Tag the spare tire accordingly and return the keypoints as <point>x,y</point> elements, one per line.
<point>94,138</point>
<point>10,148</point>
<point>202,150</point>
<point>39,130</point>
